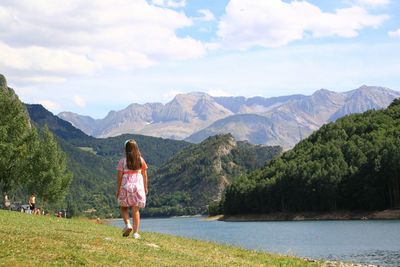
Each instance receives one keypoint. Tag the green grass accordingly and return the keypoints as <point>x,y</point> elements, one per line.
<point>28,240</point>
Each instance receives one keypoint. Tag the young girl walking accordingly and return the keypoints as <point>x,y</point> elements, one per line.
<point>131,186</point>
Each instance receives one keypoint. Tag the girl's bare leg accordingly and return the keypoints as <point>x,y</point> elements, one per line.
<point>125,215</point>
<point>136,219</point>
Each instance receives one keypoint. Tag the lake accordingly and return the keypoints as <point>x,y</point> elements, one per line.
<point>366,241</point>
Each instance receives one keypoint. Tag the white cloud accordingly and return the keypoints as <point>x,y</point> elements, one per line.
<point>79,101</point>
<point>37,79</point>
<point>50,105</point>
<point>212,46</point>
<point>170,3</point>
<point>43,59</point>
<point>81,37</point>
<point>205,15</point>
<point>372,3</point>
<point>395,33</point>
<point>276,23</point>
<point>123,61</point>
<point>286,70</point>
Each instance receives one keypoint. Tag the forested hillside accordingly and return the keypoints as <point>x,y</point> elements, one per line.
<point>30,159</point>
<point>93,161</point>
<point>352,164</point>
<point>198,175</point>
<point>155,150</point>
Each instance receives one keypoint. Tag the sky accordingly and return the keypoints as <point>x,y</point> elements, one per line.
<point>91,57</point>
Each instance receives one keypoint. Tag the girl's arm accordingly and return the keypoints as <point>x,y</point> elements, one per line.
<point>119,181</point>
<point>145,181</point>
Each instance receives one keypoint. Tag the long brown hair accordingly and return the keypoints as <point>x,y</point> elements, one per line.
<point>132,152</point>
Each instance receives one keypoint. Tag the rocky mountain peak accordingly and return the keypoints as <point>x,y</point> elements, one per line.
<point>226,147</point>
<point>322,91</point>
<point>3,82</point>
<point>365,98</point>
<point>325,95</point>
<point>3,85</point>
<point>366,90</point>
<point>207,109</point>
<point>199,94</point>
<point>375,93</point>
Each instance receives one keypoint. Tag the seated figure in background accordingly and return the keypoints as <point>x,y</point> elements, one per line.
<point>6,201</point>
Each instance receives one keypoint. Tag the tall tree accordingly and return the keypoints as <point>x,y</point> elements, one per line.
<point>48,175</point>
<point>14,130</point>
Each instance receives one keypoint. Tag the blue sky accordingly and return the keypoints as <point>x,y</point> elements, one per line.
<point>91,57</point>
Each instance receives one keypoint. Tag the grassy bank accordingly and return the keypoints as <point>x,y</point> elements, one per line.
<point>27,240</point>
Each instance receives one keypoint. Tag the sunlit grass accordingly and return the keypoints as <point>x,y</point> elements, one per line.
<point>28,240</point>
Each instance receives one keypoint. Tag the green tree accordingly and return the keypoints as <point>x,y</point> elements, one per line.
<point>48,175</point>
<point>14,130</point>
<point>352,164</point>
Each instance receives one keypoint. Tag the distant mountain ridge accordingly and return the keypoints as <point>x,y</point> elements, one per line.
<point>195,116</point>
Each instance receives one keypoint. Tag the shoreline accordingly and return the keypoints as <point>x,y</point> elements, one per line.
<point>320,262</point>
<point>391,214</point>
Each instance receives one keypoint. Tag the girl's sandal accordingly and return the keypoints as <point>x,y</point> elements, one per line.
<point>126,231</point>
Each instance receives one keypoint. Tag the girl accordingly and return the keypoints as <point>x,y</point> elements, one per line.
<point>131,186</point>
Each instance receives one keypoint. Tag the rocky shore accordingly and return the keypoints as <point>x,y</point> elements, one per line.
<point>392,214</point>
<point>345,264</point>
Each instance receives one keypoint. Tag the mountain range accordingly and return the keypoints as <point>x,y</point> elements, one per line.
<point>195,116</point>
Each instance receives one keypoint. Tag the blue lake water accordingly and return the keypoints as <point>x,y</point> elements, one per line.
<point>367,241</point>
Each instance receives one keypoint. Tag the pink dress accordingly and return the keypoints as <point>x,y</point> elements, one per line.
<point>132,192</point>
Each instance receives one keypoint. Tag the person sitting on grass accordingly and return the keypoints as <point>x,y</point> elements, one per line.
<point>37,211</point>
<point>6,201</point>
<point>131,186</point>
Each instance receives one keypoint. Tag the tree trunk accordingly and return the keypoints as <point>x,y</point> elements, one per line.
<point>391,199</point>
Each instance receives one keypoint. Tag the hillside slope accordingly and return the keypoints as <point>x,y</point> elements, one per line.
<point>350,164</point>
<point>156,150</point>
<point>199,173</point>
